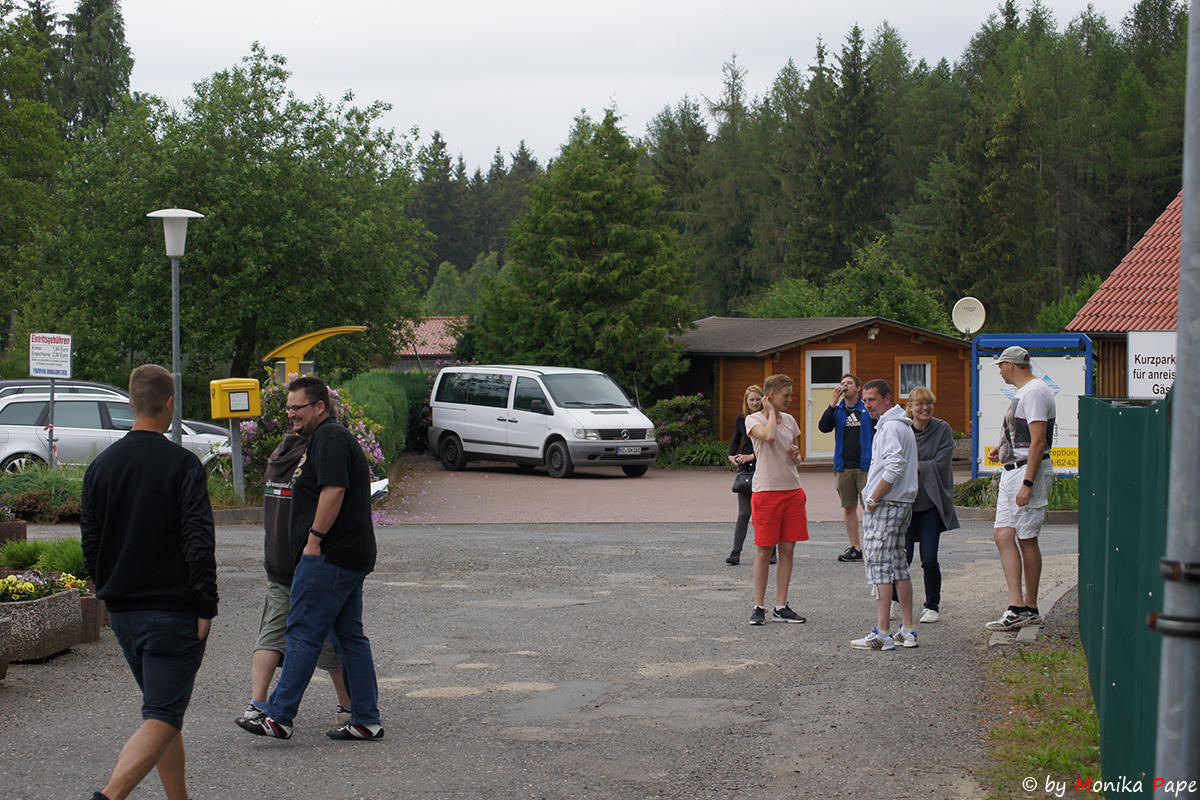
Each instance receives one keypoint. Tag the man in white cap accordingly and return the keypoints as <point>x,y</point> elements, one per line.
<point>1024,451</point>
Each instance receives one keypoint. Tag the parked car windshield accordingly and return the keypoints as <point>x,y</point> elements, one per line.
<point>585,391</point>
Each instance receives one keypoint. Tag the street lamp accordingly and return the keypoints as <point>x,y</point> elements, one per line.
<point>175,221</point>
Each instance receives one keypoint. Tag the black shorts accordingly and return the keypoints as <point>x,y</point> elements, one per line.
<point>164,654</point>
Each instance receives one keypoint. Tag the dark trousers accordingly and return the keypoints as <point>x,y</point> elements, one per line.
<point>926,528</point>
<point>743,521</point>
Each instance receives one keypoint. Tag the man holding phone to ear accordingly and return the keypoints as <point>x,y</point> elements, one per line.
<point>853,431</point>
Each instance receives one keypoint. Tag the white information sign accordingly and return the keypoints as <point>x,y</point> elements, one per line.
<point>50,355</point>
<point>1065,376</point>
<point>1150,363</point>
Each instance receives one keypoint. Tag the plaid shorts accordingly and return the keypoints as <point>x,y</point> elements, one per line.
<point>883,542</point>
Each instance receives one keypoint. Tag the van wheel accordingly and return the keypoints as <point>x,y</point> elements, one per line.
<point>635,470</point>
<point>451,452</point>
<point>558,460</point>
<point>19,462</point>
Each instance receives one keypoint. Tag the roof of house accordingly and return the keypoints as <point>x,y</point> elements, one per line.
<point>742,336</point>
<point>434,336</point>
<point>1142,293</point>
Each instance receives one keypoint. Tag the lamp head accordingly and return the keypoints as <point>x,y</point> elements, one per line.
<point>175,222</point>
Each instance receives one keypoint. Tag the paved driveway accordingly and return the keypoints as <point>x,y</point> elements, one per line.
<point>559,660</point>
<point>496,492</point>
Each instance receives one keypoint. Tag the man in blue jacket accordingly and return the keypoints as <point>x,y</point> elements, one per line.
<point>853,430</point>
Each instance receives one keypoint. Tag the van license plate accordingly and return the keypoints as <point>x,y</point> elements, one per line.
<point>629,451</point>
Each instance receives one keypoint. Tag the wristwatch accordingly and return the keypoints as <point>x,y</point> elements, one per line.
<point>1028,483</point>
<point>870,502</point>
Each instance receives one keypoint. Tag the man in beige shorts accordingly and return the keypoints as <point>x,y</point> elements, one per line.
<point>852,429</point>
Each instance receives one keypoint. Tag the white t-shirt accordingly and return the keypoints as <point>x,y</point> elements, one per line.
<point>1034,403</point>
<point>774,471</point>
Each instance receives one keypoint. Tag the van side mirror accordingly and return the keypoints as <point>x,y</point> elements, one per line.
<point>538,407</point>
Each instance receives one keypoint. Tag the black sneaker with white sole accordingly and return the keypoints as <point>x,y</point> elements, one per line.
<point>759,616</point>
<point>1010,621</point>
<point>253,712</point>
<point>351,732</point>
<point>851,554</point>
<point>264,726</point>
<point>786,614</point>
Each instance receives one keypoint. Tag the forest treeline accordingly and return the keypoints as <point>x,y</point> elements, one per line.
<point>1014,173</point>
<point>1019,171</point>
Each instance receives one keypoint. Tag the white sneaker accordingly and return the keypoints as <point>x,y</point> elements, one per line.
<point>342,715</point>
<point>895,610</point>
<point>906,637</point>
<point>874,641</point>
<point>929,615</point>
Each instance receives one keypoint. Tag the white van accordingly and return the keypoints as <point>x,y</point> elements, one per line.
<point>556,416</point>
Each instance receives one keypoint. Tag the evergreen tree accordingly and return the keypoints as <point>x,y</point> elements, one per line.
<point>595,277</point>
<point>441,202</point>
<point>98,63</point>
<point>843,207</point>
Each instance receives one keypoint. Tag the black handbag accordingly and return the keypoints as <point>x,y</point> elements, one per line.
<point>743,482</point>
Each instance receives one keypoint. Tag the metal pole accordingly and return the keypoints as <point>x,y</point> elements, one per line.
<point>235,444</point>
<point>51,460</point>
<point>177,421</point>
<point>1178,749</point>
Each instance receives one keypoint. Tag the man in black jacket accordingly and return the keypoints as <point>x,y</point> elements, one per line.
<point>149,543</point>
<point>333,541</point>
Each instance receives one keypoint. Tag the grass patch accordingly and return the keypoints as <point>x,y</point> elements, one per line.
<point>1047,725</point>
<point>42,494</point>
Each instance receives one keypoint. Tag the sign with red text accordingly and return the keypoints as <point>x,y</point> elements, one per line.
<point>50,355</point>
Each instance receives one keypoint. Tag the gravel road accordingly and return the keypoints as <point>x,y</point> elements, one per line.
<point>520,658</point>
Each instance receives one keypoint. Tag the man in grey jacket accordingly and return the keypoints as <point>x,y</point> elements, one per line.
<point>888,498</point>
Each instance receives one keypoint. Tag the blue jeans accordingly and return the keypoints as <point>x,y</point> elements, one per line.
<point>326,602</point>
<point>926,528</point>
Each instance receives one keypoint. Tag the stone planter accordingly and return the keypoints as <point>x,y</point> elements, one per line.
<point>13,530</point>
<point>5,625</point>
<point>93,618</point>
<point>40,628</point>
<point>962,449</point>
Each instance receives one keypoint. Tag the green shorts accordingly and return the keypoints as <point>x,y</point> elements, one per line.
<point>272,632</point>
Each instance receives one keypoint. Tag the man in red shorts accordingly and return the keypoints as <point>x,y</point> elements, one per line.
<point>779,505</point>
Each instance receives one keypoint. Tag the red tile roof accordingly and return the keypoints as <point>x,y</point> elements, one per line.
<point>434,336</point>
<point>1142,293</point>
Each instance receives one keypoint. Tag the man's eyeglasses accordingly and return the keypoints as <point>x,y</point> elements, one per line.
<point>292,409</point>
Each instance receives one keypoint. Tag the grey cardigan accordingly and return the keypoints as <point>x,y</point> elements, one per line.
<point>935,451</point>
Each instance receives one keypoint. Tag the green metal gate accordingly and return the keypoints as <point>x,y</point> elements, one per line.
<point>1124,457</point>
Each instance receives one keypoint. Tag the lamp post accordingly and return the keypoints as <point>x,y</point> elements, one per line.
<point>175,221</point>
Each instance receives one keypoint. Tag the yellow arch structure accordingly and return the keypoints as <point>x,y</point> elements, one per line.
<point>294,351</point>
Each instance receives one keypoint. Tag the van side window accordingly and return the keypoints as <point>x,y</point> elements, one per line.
<point>453,388</point>
<point>528,390</point>
<point>488,389</point>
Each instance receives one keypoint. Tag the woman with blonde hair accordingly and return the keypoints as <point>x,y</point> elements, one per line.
<point>741,455</point>
<point>933,510</point>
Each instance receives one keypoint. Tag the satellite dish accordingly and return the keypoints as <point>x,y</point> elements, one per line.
<point>968,315</point>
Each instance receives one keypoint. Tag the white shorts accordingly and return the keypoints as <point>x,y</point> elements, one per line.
<point>1027,519</point>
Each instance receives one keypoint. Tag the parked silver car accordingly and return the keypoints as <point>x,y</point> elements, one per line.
<point>84,425</point>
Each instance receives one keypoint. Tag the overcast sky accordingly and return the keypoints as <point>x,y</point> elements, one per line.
<point>489,74</point>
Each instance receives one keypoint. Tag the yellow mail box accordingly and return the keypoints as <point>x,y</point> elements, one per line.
<point>235,397</point>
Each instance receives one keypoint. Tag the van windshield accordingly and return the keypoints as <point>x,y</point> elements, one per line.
<point>585,391</point>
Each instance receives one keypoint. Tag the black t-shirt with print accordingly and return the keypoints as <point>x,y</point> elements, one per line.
<point>335,458</point>
<point>851,439</point>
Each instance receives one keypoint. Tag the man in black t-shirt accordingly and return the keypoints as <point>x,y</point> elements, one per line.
<point>333,540</point>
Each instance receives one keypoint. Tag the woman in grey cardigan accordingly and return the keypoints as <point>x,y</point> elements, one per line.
<point>933,510</point>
